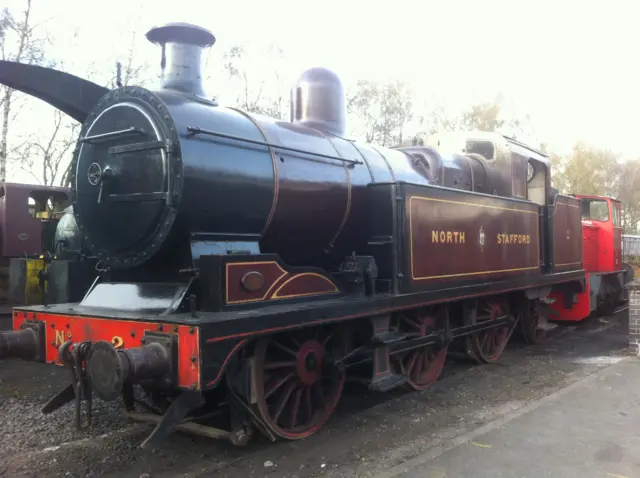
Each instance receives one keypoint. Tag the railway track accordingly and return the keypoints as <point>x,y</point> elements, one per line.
<point>465,393</point>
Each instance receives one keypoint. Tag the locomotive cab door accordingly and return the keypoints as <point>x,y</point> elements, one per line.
<point>616,207</point>
<point>539,192</point>
<point>537,179</point>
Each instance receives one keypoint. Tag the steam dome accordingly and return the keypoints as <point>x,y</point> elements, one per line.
<point>318,101</point>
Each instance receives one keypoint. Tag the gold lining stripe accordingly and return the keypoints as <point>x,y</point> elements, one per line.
<point>275,295</point>
<point>473,204</point>
<point>304,274</point>
<point>347,210</point>
<point>476,273</point>
<point>274,165</point>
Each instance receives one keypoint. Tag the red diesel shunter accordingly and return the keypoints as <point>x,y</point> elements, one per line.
<point>607,274</point>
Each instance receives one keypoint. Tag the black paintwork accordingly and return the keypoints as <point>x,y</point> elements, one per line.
<point>190,176</point>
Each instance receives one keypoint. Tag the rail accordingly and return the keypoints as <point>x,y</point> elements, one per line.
<point>192,131</point>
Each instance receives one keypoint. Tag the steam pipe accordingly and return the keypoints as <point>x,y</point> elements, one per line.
<point>70,94</point>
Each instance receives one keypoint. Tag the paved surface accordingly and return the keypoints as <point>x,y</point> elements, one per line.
<point>370,434</point>
<point>588,429</point>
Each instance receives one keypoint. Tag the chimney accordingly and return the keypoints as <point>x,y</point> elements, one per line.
<point>183,48</point>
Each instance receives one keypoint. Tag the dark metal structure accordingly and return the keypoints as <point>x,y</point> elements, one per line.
<point>29,215</point>
<point>251,264</point>
<point>37,225</point>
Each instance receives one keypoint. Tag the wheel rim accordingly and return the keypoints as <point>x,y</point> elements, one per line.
<point>297,388</point>
<point>422,366</point>
<point>488,346</point>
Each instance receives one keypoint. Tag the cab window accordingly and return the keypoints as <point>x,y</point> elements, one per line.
<point>595,209</point>
<point>617,215</point>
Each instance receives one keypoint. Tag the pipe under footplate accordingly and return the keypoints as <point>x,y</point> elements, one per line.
<point>108,369</point>
<point>19,344</point>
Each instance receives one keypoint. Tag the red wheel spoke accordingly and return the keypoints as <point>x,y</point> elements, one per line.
<point>417,373</point>
<point>270,391</point>
<point>276,365</point>
<point>282,401</point>
<point>497,338</point>
<point>319,391</point>
<point>413,324</point>
<point>401,364</point>
<point>327,338</point>
<point>295,409</point>
<point>283,348</point>
<point>425,359</point>
<point>412,362</point>
<point>485,339</point>
<point>307,401</point>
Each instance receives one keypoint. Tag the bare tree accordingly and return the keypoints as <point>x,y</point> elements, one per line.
<point>46,160</point>
<point>130,71</point>
<point>438,120</point>
<point>381,110</point>
<point>629,194</point>
<point>587,170</point>
<point>18,42</point>
<point>46,154</point>
<point>257,91</point>
<point>484,116</point>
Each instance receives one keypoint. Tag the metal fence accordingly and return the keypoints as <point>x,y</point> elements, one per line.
<point>631,246</point>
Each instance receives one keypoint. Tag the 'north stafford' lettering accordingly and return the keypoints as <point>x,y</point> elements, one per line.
<point>514,239</point>
<point>447,237</point>
<point>459,237</point>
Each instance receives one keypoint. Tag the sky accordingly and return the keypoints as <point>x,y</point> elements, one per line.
<point>571,66</point>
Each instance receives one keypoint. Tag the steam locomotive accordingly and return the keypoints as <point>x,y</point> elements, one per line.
<point>253,264</point>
